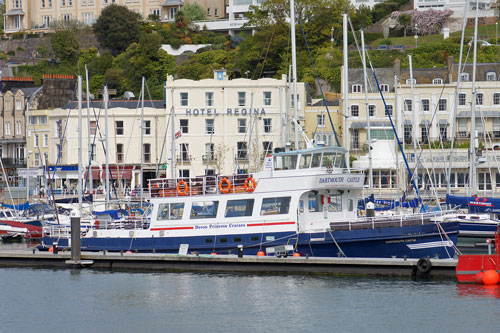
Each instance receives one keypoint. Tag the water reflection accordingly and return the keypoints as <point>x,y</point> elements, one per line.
<point>478,290</point>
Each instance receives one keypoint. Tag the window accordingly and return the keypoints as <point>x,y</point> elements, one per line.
<point>443,132</point>
<point>93,148</point>
<point>183,173</point>
<point>357,88</point>
<point>119,152</point>
<point>93,127</point>
<point>209,99</point>
<point>119,127</point>
<point>242,125</point>
<point>409,81</point>
<point>43,3</point>
<point>146,128</point>
<point>184,99</point>
<point>320,120</point>
<point>408,105</point>
<point>36,141</point>
<point>19,127</point>
<point>42,120</point>
<point>184,126</point>
<point>437,81</point>
<point>147,152</point>
<point>238,208</point>
<point>408,134</point>
<point>241,98</point>
<point>209,152</point>
<point>7,128</point>
<point>267,125</point>
<point>355,139</point>
<point>19,105</point>
<point>286,162</point>
<point>37,160</point>
<point>389,110</point>
<point>354,110</point>
<point>267,147</point>
<point>209,126</point>
<point>204,209</point>
<point>45,140</point>
<point>424,134</point>
<point>275,206</point>
<point>87,18</point>
<point>241,150</point>
<point>32,120</point>
<point>461,99</point>
<point>170,211</point>
<point>425,105</point>
<point>491,76</point>
<point>184,148</point>
<point>267,98</point>
<point>496,98</point>
<point>371,110</point>
<point>442,105</point>
<point>335,203</point>
<point>384,87</point>
<point>464,77</point>
<point>305,161</point>
<point>479,98</point>
<point>484,181</point>
<point>208,11</point>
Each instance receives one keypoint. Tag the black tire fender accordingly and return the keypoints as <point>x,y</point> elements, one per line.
<point>424,265</point>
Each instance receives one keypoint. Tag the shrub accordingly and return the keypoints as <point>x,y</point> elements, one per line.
<point>18,35</point>
<point>20,48</point>
<point>386,41</point>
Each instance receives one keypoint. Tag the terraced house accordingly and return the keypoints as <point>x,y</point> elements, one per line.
<point>39,15</point>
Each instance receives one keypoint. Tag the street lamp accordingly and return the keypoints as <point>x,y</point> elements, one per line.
<point>496,33</point>
<point>416,36</point>
<point>331,38</point>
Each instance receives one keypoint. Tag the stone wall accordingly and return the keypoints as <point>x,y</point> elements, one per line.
<point>56,93</point>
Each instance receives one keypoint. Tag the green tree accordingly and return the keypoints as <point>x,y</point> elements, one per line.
<point>117,28</point>
<point>64,45</point>
<point>2,11</point>
<point>193,11</point>
<point>404,20</point>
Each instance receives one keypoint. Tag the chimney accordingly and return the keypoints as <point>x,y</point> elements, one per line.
<point>397,67</point>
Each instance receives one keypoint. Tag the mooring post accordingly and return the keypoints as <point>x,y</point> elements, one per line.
<point>75,236</point>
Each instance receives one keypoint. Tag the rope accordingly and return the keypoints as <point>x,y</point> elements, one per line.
<point>440,227</point>
<point>336,244</point>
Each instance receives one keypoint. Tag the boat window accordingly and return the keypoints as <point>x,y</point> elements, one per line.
<point>278,162</point>
<point>223,240</point>
<point>328,159</point>
<point>7,214</point>
<point>208,240</point>
<point>170,211</point>
<point>314,205</point>
<point>289,162</point>
<point>237,239</point>
<point>275,206</point>
<point>335,203</point>
<point>305,161</point>
<point>254,239</point>
<point>237,208</point>
<point>301,206</point>
<point>338,161</point>
<point>350,205</point>
<point>316,160</point>
<point>204,209</point>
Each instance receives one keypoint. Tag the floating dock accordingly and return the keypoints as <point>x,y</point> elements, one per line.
<point>439,268</point>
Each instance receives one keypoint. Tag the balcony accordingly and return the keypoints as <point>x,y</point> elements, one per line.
<point>241,158</point>
<point>184,158</point>
<point>13,162</point>
<point>209,157</point>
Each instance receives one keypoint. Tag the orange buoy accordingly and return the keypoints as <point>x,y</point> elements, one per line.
<point>128,252</point>
<point>479,278</point>
<point>51,249</point>
<point>250,184</point>
<point>224,185</point>
<point>261,254</point>
<point>213,254</point>
<point>296,254</point>
<point>490,277</point>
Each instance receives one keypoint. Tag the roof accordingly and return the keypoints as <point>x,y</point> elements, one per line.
<point>14,12</point>
<point>373,124</point>
<point>124,104</point>
<point>172,3</point>
<point>329,102</point>
<point>26,91</point>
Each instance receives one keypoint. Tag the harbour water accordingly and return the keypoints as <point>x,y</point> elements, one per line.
<point>90,301</point>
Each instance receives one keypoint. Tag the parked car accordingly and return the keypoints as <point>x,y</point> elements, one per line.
<point>398,47</point>
<point>481,43</point>
<point>382,47</point>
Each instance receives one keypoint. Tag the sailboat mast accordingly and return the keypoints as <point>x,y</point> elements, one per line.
<point>472,149</point>
<point>142,138</point>
<point>370,167</point>
<point>294,71</point>
<point>80,142</point>
<point>172,114</point>
<point>89,142</point>
<point>346,92</point>
<point>106,127</point>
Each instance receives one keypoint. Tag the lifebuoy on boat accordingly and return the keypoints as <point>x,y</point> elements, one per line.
<point>250,184</point>
<point>224,185</point>
<point>182,188</point>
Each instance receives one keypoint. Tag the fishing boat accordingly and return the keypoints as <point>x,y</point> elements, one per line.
<point>302,201</point>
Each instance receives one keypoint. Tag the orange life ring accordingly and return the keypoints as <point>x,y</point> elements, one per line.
<point>250,184</point>
<point>186,188</point>
<point>223,189</point>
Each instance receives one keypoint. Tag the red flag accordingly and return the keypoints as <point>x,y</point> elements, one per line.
<point>178,134</point>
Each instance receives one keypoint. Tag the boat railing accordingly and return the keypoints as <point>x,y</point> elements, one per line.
<point>57,231</point>
<point>202,185</point>
<point>387,221</point>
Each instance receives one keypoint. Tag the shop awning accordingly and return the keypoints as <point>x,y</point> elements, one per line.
<point>125,172</point>
<point>425,123</point>
<point>443,122</point>
<point>96,173</point>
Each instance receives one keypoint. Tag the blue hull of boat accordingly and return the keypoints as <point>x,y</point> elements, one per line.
<point>408,241</point>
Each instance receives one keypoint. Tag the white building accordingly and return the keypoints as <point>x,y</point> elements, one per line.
<point>368,3</point>
<point>227,125</point>
<point>486,7</point>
